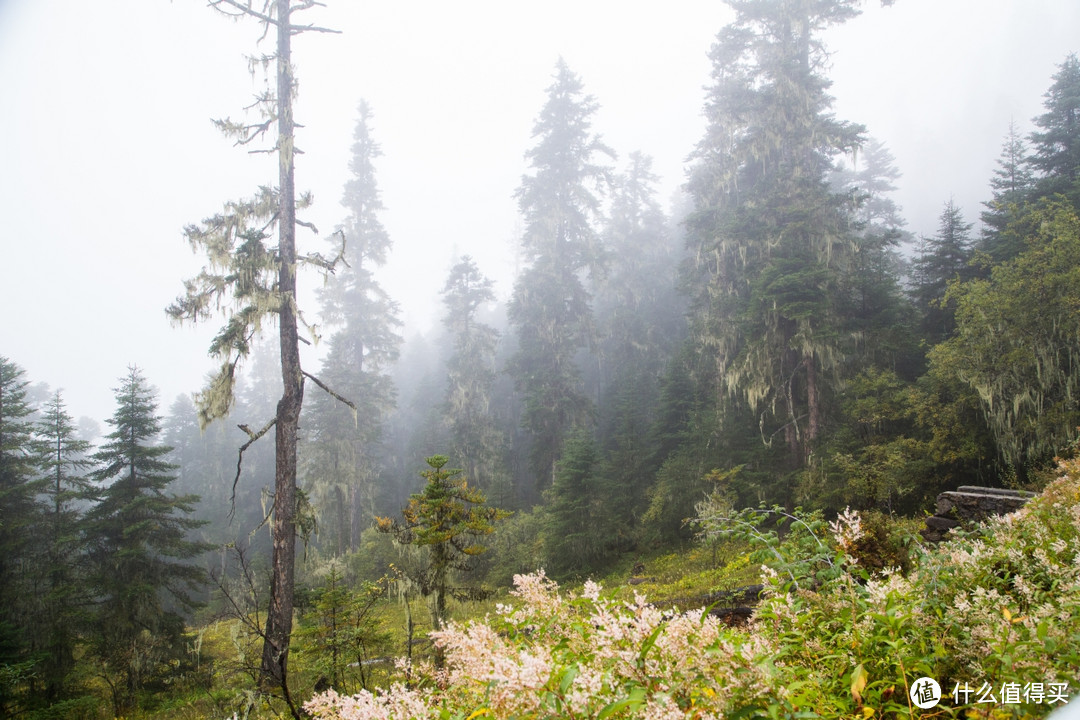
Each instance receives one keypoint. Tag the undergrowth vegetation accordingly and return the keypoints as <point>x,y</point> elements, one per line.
<point>992,615</point>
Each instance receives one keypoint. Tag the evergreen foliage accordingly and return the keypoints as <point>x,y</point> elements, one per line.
<point>205,461</point>
<point>342,630</point>
<point>1017,342</point>
<point>61,595</point>
<point>943,258</point>
<point>768,237</point>
<point>448,518</point>
<point>638,312</point>
<point>139,554</point>
<point>471,374</point>
<point>872,303</point>
<point>343,457</point>
<point>641,324</point>
<point>1056,145</point>
<point>1012,185</point>
<point>793,369</point>
<point>550,307</point>
<point>579,511</point>
<point>255,281</point>
<point>20,520</point>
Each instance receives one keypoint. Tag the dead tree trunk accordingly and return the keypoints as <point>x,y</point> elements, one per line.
<point>283,528</point>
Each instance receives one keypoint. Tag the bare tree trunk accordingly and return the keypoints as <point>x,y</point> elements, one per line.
<point>344,522</point>
<point>354,516</point>
<point>283,528</point>
<point>813,402</point>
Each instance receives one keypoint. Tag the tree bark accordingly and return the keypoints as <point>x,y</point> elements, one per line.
<point>813,402</point>
<point>283,528</point>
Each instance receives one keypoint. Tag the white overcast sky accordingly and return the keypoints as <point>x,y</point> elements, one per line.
<point>108,150</point>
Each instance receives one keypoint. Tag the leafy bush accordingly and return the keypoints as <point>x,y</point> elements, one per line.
<point>1000,607</point>
<point>583,656</point>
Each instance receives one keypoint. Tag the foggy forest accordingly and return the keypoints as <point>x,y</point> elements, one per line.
<point>681,463</point>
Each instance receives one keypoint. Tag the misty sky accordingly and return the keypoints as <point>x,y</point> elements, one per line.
<point>109,151</point>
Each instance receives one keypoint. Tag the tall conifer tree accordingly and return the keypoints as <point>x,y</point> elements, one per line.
<point>578,518</point>
<point>874,307</point>
<point>64,463</point>
<point>475,440</point>
<point>550,306</point>
<point>20,559</point>
<point>257,280</point>
<point>1011,184</point>
<point>344,460</point>
<point>768,236</point>
<point>139,552</point>
<point>943,258</point>
<point>1056,145</point>
<point>640,319</point>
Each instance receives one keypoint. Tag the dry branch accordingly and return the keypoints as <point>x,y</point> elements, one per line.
<point>240,459</point>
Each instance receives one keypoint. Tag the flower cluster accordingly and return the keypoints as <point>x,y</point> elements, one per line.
<point>587,656</point>
<point>1001,606</point>
<point>396,702</point>
<point>846,529</point>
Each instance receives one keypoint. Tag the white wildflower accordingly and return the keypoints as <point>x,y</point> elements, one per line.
<point>847,529</point>
<point>591,590</point>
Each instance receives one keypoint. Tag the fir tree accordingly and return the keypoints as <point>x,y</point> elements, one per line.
<point>1056,146</point>
<point>577,528</point>
<point>64,462</point>
<point>640,321</point>
<point>1017,341</point>
<point>873,305</point>
<point>20,539</point>
<point>768,237</point>
<point>257,281</point>
<point>140,554</point>
<point>344,452</point>
<point>447,518</point>
<point>1011,184</point>
<point>638,311</point>
<point>471,377</point>
<point>942,259</point>
<point>550,306</point>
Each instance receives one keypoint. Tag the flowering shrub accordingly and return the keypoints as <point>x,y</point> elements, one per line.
<point>579,657</point>
<point>998,607</point>
<point>1001,607</point>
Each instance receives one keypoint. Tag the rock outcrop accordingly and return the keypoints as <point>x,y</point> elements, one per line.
<point>968,504</point>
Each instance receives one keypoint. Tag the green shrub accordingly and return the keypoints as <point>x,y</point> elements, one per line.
<point>830,639</point>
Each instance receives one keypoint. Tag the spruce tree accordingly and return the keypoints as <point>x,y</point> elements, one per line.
<point>637,308</point>
<point>475,439</point>
<point>768,236</point>
<point>1017,341</point>
<point>943,258</point>
<point>139,551</point>
<point>550,307</point>
<point>1056,145</point>
<point>63,598</point>
<point>21,559</point>
<point>873,305</point>
<point>1011,184</point>
<point>447,519</point>
<point>640,322</point>
<point>578,517</point>
<point>206,466</point>
<point>344,452</point>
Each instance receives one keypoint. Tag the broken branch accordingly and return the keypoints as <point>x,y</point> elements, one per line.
<point>328,391</point>
<point>240,459</point>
